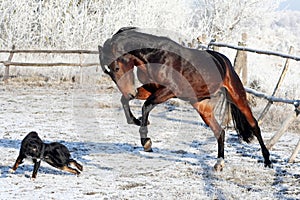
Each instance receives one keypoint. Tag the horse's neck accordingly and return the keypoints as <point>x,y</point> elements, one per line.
<point>139,63</point>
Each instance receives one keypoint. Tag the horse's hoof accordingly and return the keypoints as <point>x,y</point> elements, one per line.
<point>147,144</point>
<point>11,171</point>
<point>219,165</point>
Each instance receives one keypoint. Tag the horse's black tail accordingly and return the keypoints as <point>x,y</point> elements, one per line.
<point>242,126</point>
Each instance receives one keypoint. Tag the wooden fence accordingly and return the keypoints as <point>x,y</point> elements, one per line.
<point>240,64</point>
<point>7,63</point>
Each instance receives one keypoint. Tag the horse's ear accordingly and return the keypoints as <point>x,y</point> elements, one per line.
<point>100,49</point>
<point>103,66</point>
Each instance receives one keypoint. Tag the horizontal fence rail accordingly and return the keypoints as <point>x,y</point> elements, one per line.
<point>296,103</point>
<point>21,64</point>
<point>28,64</point>
<point>243,48</point>
<point>51,51</point>
<point>7,63</point>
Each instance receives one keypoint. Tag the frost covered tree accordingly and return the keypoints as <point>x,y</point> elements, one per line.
<point>65,24</point>
<point>49,23</point>
<point>81,24</point>
<point>227,19</point>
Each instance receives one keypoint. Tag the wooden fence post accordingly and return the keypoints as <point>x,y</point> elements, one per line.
<point>81,70</point>
<point>283,128</point>
<point>216,48</point>
<point>240,61</point>
<point>294,154</point>
<point>202,42</point>
<point>283,73</point>
<point>7,64</point>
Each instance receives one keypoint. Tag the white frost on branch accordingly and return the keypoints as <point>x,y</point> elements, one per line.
<point>67,24</point>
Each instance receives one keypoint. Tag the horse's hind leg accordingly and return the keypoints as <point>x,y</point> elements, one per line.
<point>253,128</point>
<point>241,110</point>
<point>265,151</point>
<point>206,110</point>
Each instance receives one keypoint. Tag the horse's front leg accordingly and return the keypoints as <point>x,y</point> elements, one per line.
<point>142,94</point>
<point>128,114</point>
<point>160,96</point>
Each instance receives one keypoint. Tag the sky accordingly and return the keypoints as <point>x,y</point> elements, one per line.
<point>290,5</point>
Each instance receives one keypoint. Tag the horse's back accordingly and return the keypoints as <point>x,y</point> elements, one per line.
<point>189,73</point>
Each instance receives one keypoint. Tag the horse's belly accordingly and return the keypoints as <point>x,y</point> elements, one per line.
<point>190,87</point>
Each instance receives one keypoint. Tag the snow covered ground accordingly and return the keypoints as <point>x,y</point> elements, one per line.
<point>89,120</point>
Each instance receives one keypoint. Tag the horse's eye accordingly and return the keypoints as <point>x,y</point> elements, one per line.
<point>123,60</point>
<point>117,69</point>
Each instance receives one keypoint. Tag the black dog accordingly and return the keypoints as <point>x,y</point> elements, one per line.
<point>55,154</point>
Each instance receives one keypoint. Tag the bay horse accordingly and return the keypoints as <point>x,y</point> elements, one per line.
<point>168,70</point>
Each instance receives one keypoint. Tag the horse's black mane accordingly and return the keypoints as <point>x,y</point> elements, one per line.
<point>140,33</point>
<point>132,38</point>
<point>125,29</point>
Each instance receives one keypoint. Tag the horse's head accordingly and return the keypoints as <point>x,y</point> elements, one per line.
<point>119,68</point>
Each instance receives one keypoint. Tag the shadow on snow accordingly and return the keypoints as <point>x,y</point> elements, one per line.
<point>81,150</point>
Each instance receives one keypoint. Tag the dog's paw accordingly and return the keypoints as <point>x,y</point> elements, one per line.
<point>11,171</point>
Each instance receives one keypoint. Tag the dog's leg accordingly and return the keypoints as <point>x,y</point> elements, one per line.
<point>69,169</point>
<point>76,164</point>
<point>35,168</point>
<point>17,163</point>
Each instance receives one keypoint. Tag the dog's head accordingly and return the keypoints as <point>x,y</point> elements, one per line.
<point>32,146</point>
<point>34,150</point>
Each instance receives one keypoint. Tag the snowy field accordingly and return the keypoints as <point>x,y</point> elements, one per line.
<point>89,120</point>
